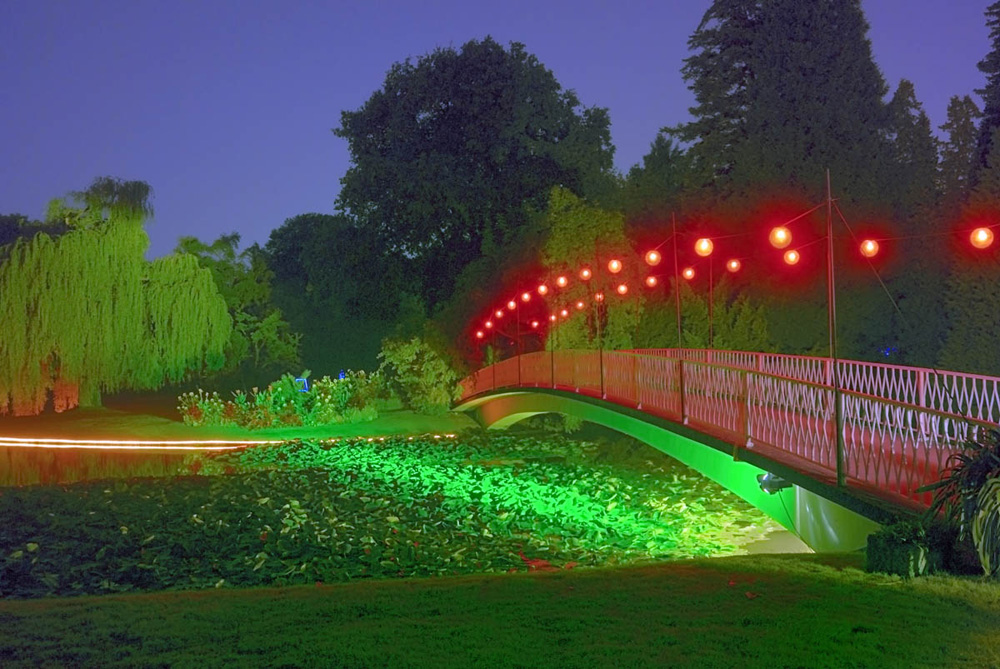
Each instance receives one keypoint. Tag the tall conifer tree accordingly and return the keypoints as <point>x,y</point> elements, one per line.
<point>786,89</point>
<point>959,153</point>
<point>990,66</point>
<point>917,286</point>
<point>972,297</point>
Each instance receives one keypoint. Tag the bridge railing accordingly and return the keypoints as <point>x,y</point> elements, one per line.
<point>896,435</point>
<point>971,395</point>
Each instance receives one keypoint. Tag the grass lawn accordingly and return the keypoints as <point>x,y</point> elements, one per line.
<point>760,611</point>
<point>161,421</point>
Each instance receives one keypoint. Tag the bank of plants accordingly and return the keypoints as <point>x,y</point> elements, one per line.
<point>960,533</point>
<point>307,512</point>
<point>290,401</point>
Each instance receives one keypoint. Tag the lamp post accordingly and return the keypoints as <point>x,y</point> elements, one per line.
<point>780,237</point>
<point>838,413</point>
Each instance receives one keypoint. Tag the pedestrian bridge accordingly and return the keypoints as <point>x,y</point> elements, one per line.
<point>832,476</point>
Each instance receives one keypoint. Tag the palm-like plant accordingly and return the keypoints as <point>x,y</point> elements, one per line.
<point>986,526</point>
<point>969,493</point>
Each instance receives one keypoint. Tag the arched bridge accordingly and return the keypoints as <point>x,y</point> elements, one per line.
<point>735,416</point>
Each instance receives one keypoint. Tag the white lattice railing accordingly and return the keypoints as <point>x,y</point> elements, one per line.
<point>900,424</point>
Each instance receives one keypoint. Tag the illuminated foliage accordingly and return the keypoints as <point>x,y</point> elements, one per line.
<point>305,512</point>
<point>583,235</point>
<point>289,401</point>
<point>419,373</point>
<point>83,313</point>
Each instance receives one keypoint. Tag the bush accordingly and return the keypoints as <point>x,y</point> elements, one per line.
<point>286,403</point>
<point>419,374</point>
<point>903,548</point>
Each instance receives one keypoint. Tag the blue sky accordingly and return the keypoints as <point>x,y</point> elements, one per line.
<point>226,107</point>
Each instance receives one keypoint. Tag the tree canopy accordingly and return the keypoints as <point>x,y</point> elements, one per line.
<point>84,313</point>
<point>450,154</point>
<point>338,287</point>
<point>261,346</point>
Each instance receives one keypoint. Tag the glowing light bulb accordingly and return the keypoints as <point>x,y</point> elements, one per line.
<point>552,317</point>
<point>580,304</point>
<point>585,274</point>
<point>981,238</point>
<point>615,266</point>
<point>564,313</point>
<point>480,334</point>
<point>688,273</point>
<point>703,247</point>
<point>653,258</point>
<point>499,313</point>
<point>543,289</point>
<point>598,297</point>
<point>525,296</point>
<point>792,256</point>
<point>780,237</point>
<point>734,265</point>
<point>562,281</point>
<point>651,281</point>
<point>488,324</point>
<point>534,324</point>
<point>512,305</point>
<point>622,289</point>
<point>869,248</point>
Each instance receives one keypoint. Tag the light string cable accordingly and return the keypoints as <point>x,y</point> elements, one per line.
<point>951,389</point>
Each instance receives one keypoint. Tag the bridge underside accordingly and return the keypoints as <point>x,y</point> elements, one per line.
<point>825,517</point>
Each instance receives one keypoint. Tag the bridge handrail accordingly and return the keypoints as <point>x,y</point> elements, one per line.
<point>890,443</point>
<point>975,396</point>
<point>639,353</point>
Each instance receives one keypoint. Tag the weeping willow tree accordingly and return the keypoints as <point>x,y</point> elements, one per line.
<point>83,313</point>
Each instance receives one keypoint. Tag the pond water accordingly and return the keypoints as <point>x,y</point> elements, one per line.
<point>21,465</point>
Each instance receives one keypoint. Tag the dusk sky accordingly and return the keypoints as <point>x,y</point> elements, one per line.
<point>226,108</point>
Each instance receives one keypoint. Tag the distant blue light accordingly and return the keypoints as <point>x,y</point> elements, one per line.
<point>305,385</point>
<point>888,350</point>
<point>342,375</point>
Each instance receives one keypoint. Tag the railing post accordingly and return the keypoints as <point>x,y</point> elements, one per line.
<point>745,408</point>
<point>604,395</point>
<point>680,377</point>
<point>922,399</point>
<point>635,375</point>
<point>576,372</point>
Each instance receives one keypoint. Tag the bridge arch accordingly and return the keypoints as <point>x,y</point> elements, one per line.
<point>825,517</point>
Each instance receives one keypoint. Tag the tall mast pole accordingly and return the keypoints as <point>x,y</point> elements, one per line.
<point>831,301</point>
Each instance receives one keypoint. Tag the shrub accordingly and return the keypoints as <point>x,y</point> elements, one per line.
<point>286,403</point>
<point>419,374</point>
<point>902,548</point>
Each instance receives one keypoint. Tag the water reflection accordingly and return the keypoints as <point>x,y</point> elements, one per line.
<point>20,466</point>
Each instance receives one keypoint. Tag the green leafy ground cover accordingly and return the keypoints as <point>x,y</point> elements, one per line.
<point>309,512</point>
